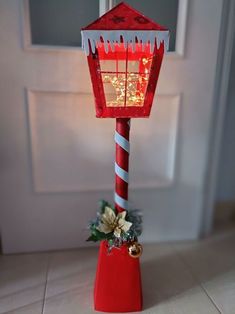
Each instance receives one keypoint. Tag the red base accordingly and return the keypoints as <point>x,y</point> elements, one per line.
<point>118,281</point>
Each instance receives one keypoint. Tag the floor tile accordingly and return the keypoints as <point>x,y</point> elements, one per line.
<point>21,298</point>
<point>164,275</point>
<point>151,250</point>
<point>35,308</point>
<point>70,270</point>
<point>70,262</point>
<point>84,279</point>
<point>221,289</point>
<point>209,258</point>
<point>73,301</point>
<point>184,278</point>
<point>192,301</point>
<point>22,280</point>
<point>18,272</point>
<point>71,273</point>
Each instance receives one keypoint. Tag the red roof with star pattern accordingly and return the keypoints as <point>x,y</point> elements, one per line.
<point>124,17</point>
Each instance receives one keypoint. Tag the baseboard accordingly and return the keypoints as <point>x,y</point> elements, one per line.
<point>224,211</point>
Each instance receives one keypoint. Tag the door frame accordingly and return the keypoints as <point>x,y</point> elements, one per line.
<point>218,118</point>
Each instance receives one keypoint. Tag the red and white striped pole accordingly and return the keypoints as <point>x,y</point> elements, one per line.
<point>122,163</point>
<point>118,279</point>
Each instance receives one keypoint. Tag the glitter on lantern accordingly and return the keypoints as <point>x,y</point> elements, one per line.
<point>145,61</point>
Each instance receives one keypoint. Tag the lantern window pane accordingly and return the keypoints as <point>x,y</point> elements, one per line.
<point>114,89</point>
<point>125,89</point>
<point>125,75</point>
<point>113,65</point>
<point>142,65</point>
<point>133,66</point>
<point>121,65</point>
<point>138,67</point>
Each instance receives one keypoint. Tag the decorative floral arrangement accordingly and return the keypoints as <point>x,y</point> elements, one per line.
<point>116,228</point>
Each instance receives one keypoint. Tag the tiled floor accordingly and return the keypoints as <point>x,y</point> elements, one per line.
<point>180,278</point>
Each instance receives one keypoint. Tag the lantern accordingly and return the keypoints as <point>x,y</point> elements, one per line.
<point>124,51</point>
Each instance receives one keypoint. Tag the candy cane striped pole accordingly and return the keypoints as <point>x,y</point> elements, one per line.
<point>122,163</point>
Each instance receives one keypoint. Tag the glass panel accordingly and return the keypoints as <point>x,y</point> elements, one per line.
<point>136,88</point>
<point>114,89</point>
<point>58,22</point>
<point>125,81</point>
<point>142,65</point>
<point>121,90</point>
<point>113,66</point>
<point>133,66</point>
<point>139,64</point>
<point>161,11</point>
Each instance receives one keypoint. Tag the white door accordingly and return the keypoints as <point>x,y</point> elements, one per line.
<point>57,158</point>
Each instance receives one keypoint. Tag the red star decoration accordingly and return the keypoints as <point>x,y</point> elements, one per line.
<point>141,20</point>
<point>118,19</point>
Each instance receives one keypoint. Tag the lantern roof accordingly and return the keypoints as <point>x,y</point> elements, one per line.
<point>124,17</point>
<point>123,23</point>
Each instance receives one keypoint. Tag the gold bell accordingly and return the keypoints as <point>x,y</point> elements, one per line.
<point>135,249</point>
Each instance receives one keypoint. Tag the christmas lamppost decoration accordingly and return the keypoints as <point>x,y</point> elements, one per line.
<point>124,51</point>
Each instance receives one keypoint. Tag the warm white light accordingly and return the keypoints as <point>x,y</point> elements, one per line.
<point>129,88</point>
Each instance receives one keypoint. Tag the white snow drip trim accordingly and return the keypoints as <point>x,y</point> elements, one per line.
<point>129,37</point>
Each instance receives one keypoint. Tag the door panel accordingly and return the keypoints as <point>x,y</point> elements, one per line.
<point>72,150</point>
<point>58,158</point>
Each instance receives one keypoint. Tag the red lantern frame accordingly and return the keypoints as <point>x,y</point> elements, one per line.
<point>120,30</point>
<point>102,110</point>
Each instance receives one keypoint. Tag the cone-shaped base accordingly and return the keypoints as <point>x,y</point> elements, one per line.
<point>118,281</point>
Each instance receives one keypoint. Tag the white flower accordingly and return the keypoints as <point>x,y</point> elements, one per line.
<point>110,222</point>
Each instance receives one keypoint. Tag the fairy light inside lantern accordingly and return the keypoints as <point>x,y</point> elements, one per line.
<point>125,74</point>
